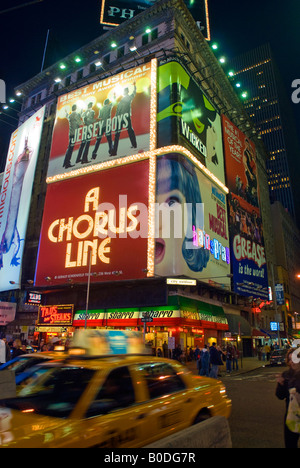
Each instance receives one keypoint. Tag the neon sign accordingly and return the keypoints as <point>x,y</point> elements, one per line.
<point>217,249</point>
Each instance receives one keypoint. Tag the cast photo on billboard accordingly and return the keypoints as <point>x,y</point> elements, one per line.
<point>193,239</point>
<point>98,220</point>
<point>103,120</point>
<point>245,224</point>
<point>185,113</point>
<point>16,197</point>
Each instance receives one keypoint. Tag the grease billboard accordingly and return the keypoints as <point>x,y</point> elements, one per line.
<point>249,266</point>
<point>103,120</point>
<point>96,221</point>
<point>15,198</point>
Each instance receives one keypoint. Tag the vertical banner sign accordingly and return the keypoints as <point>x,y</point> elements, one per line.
<point>245,224</point>
<point>16,197</point>
<point>99,219</point>
<point>104,120</point>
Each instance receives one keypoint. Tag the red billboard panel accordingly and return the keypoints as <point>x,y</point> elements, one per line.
<point>99,221</point>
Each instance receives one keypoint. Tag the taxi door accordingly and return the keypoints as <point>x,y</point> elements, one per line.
<point>113,418</point>
<point>168,401</point>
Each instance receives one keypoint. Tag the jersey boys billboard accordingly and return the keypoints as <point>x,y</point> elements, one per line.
<point>98,220</point>
<point>245,224</point>
<point>16,197</point>
<point>106,119</point>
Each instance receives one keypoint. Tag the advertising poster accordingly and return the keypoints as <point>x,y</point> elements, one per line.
<point>15,198</point>
<point>103,120</point>
<point>191,223</point>
<point>99,221</point>
<point>7,312</point>
<point>115,12</point>
<point>186,117</point>
<point>249,266</point>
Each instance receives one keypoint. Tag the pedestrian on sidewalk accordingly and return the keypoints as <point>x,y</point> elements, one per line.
<point>215,361</point>
<point>287,382</point>
<point>229,356</point>
<point>205,361</point>
<point>235,358</point>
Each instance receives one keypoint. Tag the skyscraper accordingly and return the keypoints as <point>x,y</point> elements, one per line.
<point>269,107</point>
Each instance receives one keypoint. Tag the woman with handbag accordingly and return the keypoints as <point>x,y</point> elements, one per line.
<point>288,388</point>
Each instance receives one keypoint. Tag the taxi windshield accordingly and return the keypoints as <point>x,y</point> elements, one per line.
<point>54,392</point>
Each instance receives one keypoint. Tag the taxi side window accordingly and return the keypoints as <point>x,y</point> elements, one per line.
<point>161,379</point>
<point>117,392</point>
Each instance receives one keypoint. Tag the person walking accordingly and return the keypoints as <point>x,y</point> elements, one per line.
<point>215,361</point>
<point>288,384</point>
<point>229,356</point>
<point>235,358</point>
<point>205,361</point>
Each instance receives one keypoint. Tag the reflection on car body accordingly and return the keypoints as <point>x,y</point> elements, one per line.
<point>120,401</point>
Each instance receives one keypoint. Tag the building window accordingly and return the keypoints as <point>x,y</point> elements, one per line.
<point>79,74</point>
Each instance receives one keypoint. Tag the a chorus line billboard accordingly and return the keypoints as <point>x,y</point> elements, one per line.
<point>191,223</point>
<point>103,120</point>
<point>186,117</point>
<point>249,265</point>
<point>15,198</point>
<point>97,221</point>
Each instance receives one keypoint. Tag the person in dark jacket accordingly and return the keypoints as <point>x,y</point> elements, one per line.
<point>215,361</point>
<point>287,380</point>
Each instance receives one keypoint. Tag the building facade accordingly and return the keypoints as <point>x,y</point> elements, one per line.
<point>132,124</point>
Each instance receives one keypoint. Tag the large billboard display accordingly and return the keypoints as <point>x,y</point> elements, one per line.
<point>191,223</point>
<point>98,223</point>
<point>15,198</point>
<point>103,120</point>
<point>186,117</point>
<point>249,264</point>
<point>115,12</point>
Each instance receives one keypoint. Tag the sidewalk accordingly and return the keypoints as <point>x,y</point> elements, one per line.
<point>245,365</point>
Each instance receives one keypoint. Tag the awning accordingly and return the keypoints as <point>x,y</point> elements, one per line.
<point>259,334</point>
<point>238,325</point>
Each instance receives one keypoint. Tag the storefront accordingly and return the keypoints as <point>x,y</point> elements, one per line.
<point>54,322</point>
<point>184,321</point>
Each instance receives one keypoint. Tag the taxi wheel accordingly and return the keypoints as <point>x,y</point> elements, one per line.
<point>202,416</point>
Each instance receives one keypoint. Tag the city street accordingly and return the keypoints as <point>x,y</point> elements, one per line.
<point>257,415</point>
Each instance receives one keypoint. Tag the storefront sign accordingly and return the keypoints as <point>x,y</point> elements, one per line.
<point>60,315</point>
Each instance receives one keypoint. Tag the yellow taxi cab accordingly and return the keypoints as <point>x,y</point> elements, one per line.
<point>117,401</point>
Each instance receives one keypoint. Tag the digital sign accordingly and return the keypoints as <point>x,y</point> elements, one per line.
<point>115,12</point>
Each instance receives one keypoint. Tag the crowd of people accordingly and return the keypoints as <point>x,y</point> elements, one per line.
<point>12,348</point>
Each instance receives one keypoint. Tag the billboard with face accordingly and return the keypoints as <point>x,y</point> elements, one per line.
<point>191,223</point>
<point>16,197</point>
<point>103,120</point>
<point>249,264</point>
<point>98,220</point>
<point>186,117</point>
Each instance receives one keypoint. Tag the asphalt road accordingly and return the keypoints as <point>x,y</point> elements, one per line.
<point>257,415</point>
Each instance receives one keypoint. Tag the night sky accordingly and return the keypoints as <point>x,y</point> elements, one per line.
<point>237,26</point>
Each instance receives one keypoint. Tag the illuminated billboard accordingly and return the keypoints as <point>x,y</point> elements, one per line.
<point>15,198</point>
<point>186,117</point>
<point>115,12</point>
<point>249,265</point>
<point>103,120</point>
<point>97,221</point>
<point>191,223</point>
